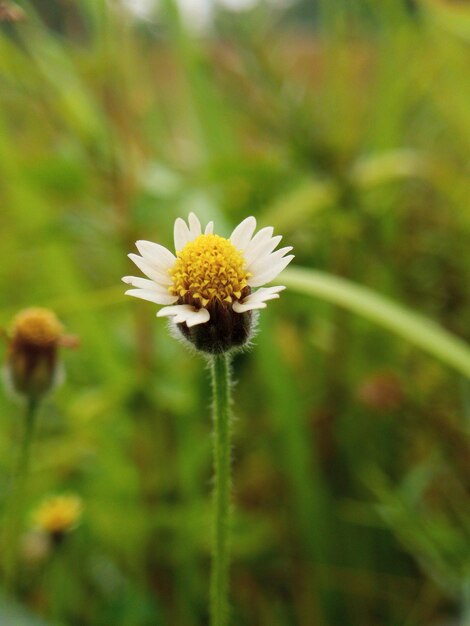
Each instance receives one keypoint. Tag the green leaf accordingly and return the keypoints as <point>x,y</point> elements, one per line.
<point>408,324</point>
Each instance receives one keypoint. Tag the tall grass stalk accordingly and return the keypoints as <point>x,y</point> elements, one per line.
<point>220,546</point>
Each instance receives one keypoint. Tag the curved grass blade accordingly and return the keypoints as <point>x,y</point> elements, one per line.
<point>412,326</point>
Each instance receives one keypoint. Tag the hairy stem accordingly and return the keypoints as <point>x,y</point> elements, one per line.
<point>220,546</point>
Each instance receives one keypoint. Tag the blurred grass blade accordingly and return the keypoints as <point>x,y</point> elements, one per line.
<point>452,17</point>
<point>311,196</point>
<point>389,166</point>
<point>296,206</point>
<point>408,324</point>
<point>298,458</point>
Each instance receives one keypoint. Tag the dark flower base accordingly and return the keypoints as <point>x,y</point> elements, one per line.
<point>225,330</point>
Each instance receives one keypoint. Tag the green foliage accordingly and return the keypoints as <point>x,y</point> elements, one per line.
<point>350,135</point>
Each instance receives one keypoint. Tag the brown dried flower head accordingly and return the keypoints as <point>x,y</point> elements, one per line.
<point>32,364</point>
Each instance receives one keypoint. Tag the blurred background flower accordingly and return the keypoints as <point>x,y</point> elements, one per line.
<point>32,366</point>
<point>58,515</point>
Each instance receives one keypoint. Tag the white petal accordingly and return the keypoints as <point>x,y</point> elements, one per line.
<point>178,309</point>
<point>250,306</point>
<point>271,273</point>
<point>209,228</point>
<point>194,226</point>
<point>181,234</point>
<point>262,264</point>
<point>198,317</point>
<point>144,283</point>
<point>261,250</point>
<point>185,313</point>
<point>157,254</point>
<point>263,294</point>
<point>262,235</point>
<point>159,276</point>
<point>241,236</point>
<point>257,299</point>
<point>152,296</point>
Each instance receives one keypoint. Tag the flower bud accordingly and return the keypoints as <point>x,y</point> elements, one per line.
<point>32,366</point>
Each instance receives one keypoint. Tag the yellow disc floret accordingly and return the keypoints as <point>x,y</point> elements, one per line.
<point>58,514</point>
<point>37,327</point>
<point>209,268</point>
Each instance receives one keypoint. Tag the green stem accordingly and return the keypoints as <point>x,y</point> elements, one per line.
<point>220,546</point>
<point>58,581</point>
<point>17,495</point>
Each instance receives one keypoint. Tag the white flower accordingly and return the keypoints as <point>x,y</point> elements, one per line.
<point>210,276</point>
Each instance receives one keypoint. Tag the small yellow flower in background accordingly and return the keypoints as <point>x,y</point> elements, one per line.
<point>37,327</point>
<point>32,366</point>
<point>210,284</point>
<point>58,515</point>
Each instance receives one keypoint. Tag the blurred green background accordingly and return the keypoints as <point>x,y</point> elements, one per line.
<point>346,126</point>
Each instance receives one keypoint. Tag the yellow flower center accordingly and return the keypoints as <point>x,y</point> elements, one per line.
<point>209,268</point>
<point>58,514</point>
<point>37,327</point>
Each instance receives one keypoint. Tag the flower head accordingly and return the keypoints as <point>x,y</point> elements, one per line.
<point>32,364</point>
<point>209,287</point>
<point>58,515</point>
<point>37,327</point>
